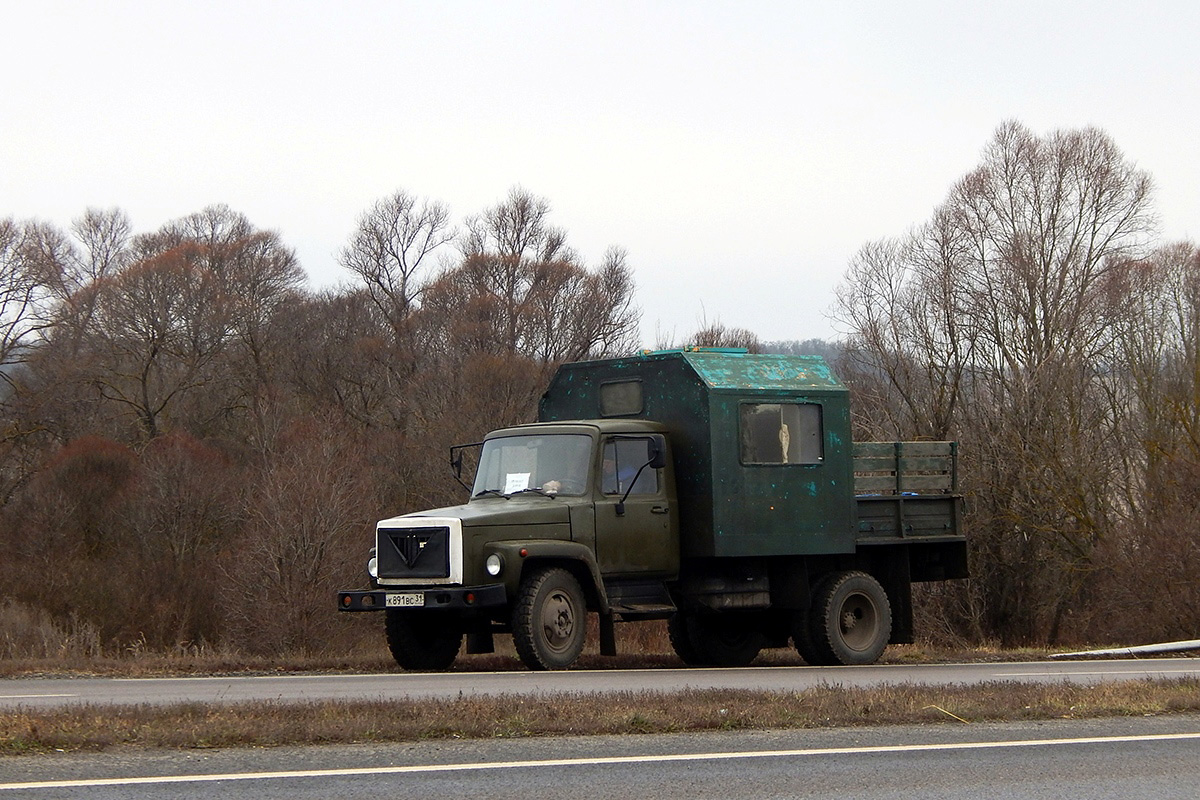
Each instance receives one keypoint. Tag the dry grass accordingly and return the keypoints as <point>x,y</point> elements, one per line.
<point>371,660</point>
<point>641,646</point>
<point>272,723</point>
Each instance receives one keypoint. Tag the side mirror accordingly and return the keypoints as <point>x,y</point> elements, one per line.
<point>658,452</point>
<point>456,461</point>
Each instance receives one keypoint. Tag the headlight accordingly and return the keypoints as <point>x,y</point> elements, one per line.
<point>373,567</point>
<point>494,564</point>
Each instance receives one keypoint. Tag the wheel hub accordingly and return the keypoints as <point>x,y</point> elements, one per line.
<point>858,620</point>
<point>558,620</point>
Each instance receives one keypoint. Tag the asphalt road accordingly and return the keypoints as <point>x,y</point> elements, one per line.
<point>51,692</point>
<point>1123,758</point>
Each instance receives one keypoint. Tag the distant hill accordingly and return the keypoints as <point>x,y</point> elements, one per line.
<point>828,350</point>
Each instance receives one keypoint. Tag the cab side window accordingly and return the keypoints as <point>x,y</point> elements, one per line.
<point>622,460</point>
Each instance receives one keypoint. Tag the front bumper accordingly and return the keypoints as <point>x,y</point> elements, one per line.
<point>447,598</point>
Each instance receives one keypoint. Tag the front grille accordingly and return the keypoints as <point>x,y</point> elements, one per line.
<point>413,552</point>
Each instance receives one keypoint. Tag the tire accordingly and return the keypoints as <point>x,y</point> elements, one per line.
<point>681,639</point>
<point>422,640</point>
<point>850,621</point>
<point>803,639</point>
<point>549,622</point>
<point>724,640</point>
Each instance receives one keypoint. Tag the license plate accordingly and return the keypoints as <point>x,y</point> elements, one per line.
<point>406,600</point>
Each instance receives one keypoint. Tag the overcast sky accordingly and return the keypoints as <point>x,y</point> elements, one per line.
<point>741,152</point>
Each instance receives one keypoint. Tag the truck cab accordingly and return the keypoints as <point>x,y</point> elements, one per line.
<point>615,478</point>
<point>594,499</point>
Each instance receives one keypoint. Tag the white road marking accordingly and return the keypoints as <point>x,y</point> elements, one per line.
<point>1145,673</point>
<point>369,676</point>
<point>577,762</point>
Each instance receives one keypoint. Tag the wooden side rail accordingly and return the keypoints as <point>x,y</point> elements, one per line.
<point>905,468</point>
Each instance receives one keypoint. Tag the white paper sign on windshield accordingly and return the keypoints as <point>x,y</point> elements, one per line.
<point>516,481</point>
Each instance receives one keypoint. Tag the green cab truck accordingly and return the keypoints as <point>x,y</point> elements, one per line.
<point>717,489</point>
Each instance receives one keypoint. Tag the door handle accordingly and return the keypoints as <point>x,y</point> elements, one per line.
<point>659,509</point>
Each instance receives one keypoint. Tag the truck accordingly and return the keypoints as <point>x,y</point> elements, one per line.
<point>716,489</point>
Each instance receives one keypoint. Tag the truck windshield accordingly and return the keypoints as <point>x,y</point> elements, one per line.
<point>547,464</point>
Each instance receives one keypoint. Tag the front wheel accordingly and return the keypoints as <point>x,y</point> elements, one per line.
<point>549,622</point>
<point>850,621</point>
<point>422,640</point>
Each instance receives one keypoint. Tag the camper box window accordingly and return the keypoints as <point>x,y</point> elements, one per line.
<point>781,433</point>
<point>620,398</point>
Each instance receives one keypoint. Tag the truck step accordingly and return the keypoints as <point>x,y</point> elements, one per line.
<point>644,611</point>
<point>639,599</point>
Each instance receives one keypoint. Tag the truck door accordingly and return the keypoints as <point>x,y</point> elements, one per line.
<point>639,536</point>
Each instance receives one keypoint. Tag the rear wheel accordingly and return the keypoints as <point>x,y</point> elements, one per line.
<point>549,622</point>
<point>422,640</point>
<point>724,640</point>
<point>850,621</point>
<point>803,639</point>
<point>681,639</point>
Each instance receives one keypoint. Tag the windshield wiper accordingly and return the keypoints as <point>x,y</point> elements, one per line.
<point>535,490</point>
<point>482,492</point>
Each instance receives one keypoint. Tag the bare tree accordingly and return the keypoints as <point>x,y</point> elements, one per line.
<point>105,235</point>
<point>186,511</point>
<point>31,274</point>
<point>502,248</point>
<point>715,334</point>
<point>516,229</point>
<point>1160,338</point>
<point>1148,577</point>
<point>41,272</point>
<point>306,519</point>
<point>390,249</point>
<point>520,289</point>
<point>994,322</point>
<point>161,323</point>
<point>910,345</point>
<point>338,359</point>
<point>229,280</point>
<point>62,536</point>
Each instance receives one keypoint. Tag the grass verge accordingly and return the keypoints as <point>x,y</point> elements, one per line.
<point>263,724</point>
<point>150,664</point>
